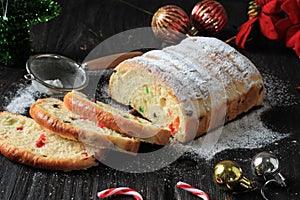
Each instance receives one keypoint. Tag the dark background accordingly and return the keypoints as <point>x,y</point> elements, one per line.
<point>76,31</point>
<point>82,25</point>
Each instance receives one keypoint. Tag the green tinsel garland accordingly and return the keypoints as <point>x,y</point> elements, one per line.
<point>15,41</point>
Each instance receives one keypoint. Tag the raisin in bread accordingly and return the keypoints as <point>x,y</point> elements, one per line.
<point>191,87</point>
<point>24,141</point>
<point>52,114</point>
<point>118,120</point>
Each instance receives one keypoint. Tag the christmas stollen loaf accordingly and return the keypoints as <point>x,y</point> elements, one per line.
<point>115,119</point>
<point>191,87</point>
<point>24,141</point>
<point>52,114</point>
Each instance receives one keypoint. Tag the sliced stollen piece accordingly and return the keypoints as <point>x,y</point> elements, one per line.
<point>52,114</point>
<point>24,141</point>
<point>115,119</point>
<point>201,78</point>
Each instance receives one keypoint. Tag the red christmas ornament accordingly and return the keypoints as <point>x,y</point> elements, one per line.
<point>170,23</point>
<point>208,16</point>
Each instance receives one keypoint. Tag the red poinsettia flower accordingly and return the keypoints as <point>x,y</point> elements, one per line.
<point>278,20</point>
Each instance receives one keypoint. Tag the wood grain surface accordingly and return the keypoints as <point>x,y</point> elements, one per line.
<point>80,27</point>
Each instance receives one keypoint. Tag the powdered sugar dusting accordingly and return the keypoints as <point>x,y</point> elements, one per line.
<point>215,45</point>
<point>278,91</point>
<point>182,93</point>
<point>25,96</point>
<point>248,132</point>
<point>183,72</point>
<point>215,87</point>
<point>20,96</point>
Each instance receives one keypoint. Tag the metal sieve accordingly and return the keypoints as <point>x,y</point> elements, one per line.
<point>73,76</point>
<point>44,67</point>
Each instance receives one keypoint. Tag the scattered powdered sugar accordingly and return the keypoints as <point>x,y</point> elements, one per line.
<point>21,95</point>
<point>23,99</point>
<point>19,98</point>
<point>247,132</point>
<point>278,91</point>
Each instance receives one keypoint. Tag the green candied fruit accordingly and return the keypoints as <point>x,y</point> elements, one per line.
<point>147,90</point>
<point>141,109</point>
<point>8,117</point>
<point>10,121</point>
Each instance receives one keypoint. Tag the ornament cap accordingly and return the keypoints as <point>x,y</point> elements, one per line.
<point>246,183</point>
<point>192,32</point>
<point>280,179</point>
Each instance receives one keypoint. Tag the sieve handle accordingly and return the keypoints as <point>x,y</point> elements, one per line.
<point>110,61</point>
<point>29,77</point>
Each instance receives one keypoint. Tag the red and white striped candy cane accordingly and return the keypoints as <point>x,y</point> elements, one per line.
<point>193,190</point>
<point>121,191</point>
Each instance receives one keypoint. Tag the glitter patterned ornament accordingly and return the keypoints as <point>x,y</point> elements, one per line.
<point>170,24</point>
<point>208,17</point>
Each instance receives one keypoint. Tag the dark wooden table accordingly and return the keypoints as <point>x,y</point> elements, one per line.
<point>80,27</point>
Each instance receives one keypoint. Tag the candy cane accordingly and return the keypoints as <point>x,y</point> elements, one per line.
<point>193,190</point>
<point>120,190</point>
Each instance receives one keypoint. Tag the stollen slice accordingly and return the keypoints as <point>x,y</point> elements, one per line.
<point>116,119</point>
<point>24,141</point>
<point>52,114</point>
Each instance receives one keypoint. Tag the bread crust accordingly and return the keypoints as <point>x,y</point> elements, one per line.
<point>52,123</point>
<point>87,136</point>
<point>80,104</point>
<point>49,162</point>
<point>37,161</point>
